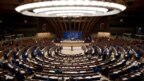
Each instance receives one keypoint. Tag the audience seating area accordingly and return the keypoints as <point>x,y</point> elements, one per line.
<point>42,60</point>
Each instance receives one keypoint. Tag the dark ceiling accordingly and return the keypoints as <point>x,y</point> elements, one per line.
<point>12,22</point>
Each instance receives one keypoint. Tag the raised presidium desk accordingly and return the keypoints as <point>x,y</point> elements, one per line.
<point>73,43</point>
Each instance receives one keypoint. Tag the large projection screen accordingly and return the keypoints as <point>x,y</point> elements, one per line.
<point>72,35</point>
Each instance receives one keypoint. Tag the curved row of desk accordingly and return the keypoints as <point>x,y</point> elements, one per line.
<point>45,62</point>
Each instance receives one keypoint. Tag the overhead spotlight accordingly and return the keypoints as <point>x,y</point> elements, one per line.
<point>1,21</point>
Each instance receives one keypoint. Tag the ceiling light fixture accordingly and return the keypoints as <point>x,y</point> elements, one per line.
<point>70,8</point>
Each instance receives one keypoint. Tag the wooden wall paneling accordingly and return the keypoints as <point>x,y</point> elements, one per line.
<point>58,20</point>
<point>91,25</point>
<point>55,27</point>
<point>89,21</point>
<point>69,21</point>
<point>61,24</point>
<point>64,24</point>
<point>79,24</point>
<point>84,25</point>
<point>74,24</point>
